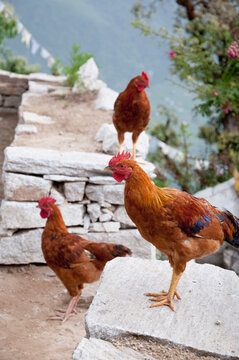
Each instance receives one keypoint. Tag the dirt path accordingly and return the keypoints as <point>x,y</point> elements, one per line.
<point>29,296</point>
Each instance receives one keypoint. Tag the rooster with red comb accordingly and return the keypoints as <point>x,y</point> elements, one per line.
<point>132,110</point>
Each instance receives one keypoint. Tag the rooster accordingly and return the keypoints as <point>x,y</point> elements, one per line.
<point>132,110</point>
<point>65,254</point>
<point>180,225</point>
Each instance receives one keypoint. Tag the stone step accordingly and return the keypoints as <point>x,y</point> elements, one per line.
<point>206,319</point>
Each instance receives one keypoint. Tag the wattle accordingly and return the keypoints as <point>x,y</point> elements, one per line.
<point>118,177</point>
<point>44,214</point>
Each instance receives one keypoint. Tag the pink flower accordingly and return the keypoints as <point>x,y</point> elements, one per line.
<point>226,108</point>
<point>171,54</point>
<point>215,92</point>
<point>233,50</point>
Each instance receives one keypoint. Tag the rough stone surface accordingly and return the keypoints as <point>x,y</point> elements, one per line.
<point>48,162</point>
<point>29,117</point>
<point>5,232</point>
<point>129,238</point>
<point>25,215</point>
<point>88,75</point>
<point>25,129</point>
<point>22,248</point>
<point>110,145</point>
<point>206,319</point>
<point>110,226</point>
<point>228,200</point>
<point>62,178</point>
<point>57,196</point>
<point>12,101</point>
<point>20,187</point>
<point>102,180</point>
<point>94,212</point>
<point>106,217</point>
<point>74,191</point>
<point>106,99</point>
<point>109,193</point>
<point>121,215</point>
<point>96,349</point>
<point>47,78</point>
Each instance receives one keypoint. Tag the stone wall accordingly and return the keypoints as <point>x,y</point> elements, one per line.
<point>90,200</point>
<point>12,86</point>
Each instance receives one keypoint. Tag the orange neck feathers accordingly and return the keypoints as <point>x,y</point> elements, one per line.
<point>55,222</point>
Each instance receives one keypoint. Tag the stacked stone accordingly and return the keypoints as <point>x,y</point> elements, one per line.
<point>12,86</point>
<point>91,201</point>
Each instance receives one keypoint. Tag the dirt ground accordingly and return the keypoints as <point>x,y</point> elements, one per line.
<point>30,294</point>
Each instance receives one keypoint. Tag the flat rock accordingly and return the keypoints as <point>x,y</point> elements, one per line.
<point>25,215</point>
<point>47,78</point>
<point>121,215</point>
<point>30,117</point>
<point>48,162</point>
<point>74,191</point>
<point>105,99</point>
<point>94,212</point>
<point>22,248</point>
<point>89,349</point>
<point>113,194</point>
<point>102,180</point>
<point>18,187</point>
<point>229,200</point>
<point>25,129</point>
<point>63,178</point>
<point>88,75</point>
<point>206,319</point>
<point>107,134</point>
<point>130,238</point>
<point>108,226</point>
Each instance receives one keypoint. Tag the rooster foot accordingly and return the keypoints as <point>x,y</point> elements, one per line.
<point>63,311</point>
<point>164,298</point>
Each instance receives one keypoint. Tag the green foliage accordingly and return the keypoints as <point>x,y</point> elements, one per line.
<point>8,27</point>
<point>56,68</point>
<point>200,45</point>
<point>77,59</point>
<point>16,64</point>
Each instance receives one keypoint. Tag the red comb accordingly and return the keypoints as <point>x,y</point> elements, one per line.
<point>46,199</point>
<point>116,158</point>
<point>145,76</point>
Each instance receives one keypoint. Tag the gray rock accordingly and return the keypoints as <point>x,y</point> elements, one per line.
<point>25,129</point>
<point>88,77</point>
<point>113,194</point>
<point>20,187</point>
<point>94,212</point>
<point>74,191</point>
<point>43,161</point>
<point>106,217</point>
<point>102,180</point>
<point>109,227</point>
<point>110,145</point>
<point>105,99</point>
<point>47,78</point>
<point>62,178</point>
<point>57,196</point>
<point>96,349</point>
<point>228,200</point>
<point>206,319</point>
<point>77,230</point>
<point>22,248</point>
<point>25,215</point>
<point>121,215</point>
<point>129,238</point>
<point>41,88</point>
<point>29,117</point>
<point>12,101</point>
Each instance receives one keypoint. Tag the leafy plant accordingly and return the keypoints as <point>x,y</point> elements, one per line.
<point>77,59</point>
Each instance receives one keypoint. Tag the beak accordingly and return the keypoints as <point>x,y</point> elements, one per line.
<point>108,168</point>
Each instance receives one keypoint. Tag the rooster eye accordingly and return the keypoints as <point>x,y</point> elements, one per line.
<point>121,165</point>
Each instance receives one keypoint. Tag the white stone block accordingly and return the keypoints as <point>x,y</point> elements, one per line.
<point>130,238</point>
<point>47,78</point>
<point>105,99</point>
<point>86,222</point>
<point>96,349</point>
<point>74,191</point>
<point>25,129</point>
<point>57,196</point>
<point>121,215</point>
<point>202,322</point>
<point>102,180</point>
<point>63,178</point>
<point>106,217</point>
<point>94,212</point>
<point>22,248</point>
<point>107,134</point>
<point>30,117</point>
<point>25,215</point>
<point>20,187</point>
<point>113,194</point>
<point>88,75</point>
<point>110,226</point>
<point>48,162</point>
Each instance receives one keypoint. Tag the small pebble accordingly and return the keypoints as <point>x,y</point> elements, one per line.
<point>218,322</point>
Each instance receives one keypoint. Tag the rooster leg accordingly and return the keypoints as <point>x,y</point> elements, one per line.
<point>71,309</point>
<point>121,140</point>
<point>166,298</point>
<point>134,151</point>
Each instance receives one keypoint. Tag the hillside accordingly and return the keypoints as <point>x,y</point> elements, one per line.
<point>103,28</point>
